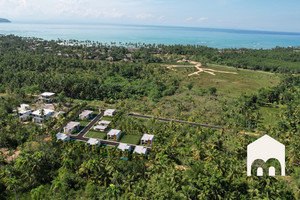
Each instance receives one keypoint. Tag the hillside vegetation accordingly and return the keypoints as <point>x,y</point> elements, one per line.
<point>186,162</point>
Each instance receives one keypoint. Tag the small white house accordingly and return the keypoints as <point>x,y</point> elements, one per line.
<point>24,109</point>
<point>93,141</point>
<point>47,96</point>
<point>147,139</point>
<point>104,123</point>
<point>72,127</point>
<point>86,114</point>
<point>100,128</point>
<point>41,114</point>
<point>123,147</point>
<point>140,150</point>
<point>109,112</point>
<point>114,134</point>
<point>63,137</point>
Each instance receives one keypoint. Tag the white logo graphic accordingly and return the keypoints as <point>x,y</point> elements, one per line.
<point>265,148</point>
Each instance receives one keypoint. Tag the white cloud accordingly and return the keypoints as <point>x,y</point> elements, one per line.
<point>201,19</point>
<point>189,19</point>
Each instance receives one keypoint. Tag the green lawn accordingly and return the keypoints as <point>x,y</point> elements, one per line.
<point>130,139</point>
<point>96,134</point>
<point>269,115</point>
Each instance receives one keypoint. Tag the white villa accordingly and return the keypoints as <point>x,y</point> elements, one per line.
<point>109,112</point>
<point>147,139</point>
<point>86,114</point>
<point>100,128</point>
<point>39,115</point>
<point>63,137</point>
<point>72,127</point>
<point>93,141</point>
<point>47,96</point>
<point>123,147</point>
<point>102,125</point>
<point>24,111</point>
<point>140,150</point>
<point>114,134</point>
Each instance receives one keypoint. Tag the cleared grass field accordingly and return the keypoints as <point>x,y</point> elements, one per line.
<point>130,139</point>
<point>245,81</point>
<point>96,134</point>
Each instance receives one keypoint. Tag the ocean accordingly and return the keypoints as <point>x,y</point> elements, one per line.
<point>105,33</point>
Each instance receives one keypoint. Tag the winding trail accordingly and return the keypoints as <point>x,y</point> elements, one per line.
<point>199,67</point>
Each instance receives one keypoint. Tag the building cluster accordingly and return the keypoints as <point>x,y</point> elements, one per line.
<point>40,115</point>
<point>112,134</point>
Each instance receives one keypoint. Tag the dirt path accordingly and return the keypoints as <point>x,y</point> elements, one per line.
<point>199,67</point>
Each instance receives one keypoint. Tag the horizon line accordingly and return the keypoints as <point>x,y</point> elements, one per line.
<point>258,31</point>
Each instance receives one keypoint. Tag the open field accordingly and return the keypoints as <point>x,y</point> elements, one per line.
<point>130,139</point>
<point>96,134</point>
<point>228,84</point>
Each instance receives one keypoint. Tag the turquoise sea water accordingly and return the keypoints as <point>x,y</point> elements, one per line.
<point>219,38</point>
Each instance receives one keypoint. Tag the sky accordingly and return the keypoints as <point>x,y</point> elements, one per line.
<point>273,15</point>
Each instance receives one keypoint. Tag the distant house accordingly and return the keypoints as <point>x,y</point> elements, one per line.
<point>123,147</point>
<point>109,112</point>
<point>72,127</point>
<point>86,114</point>
<point>147,139</point>
<point>104,123</point>
<point>24,111</point>
<point>93,141</point>
<point>100,128</point>
<point>41,114</point>
<point>140,150</point>
<point>114,134</point>
<point>63,137</point>
<point>48,97</point>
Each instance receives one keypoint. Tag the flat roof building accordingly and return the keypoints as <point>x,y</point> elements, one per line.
<point>147,139</point>
<point>104,122</point>
<point>72,127</point>
<point>140,150</point>
<point>40,114</point>
<point>86,114</point>
<point>63,137</point>
<point>47,96</point>
<point>123,147</point>
<point>100,128</point>
<point>109,112</point>
<point>93,141</point>
<point>114,134</point>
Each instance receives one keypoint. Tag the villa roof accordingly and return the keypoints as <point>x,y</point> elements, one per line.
<point>104,122</point>
<point>147,137</point>
<point>124,146</point>
<point>93,141</point>
<point>46,112</point>
<point>62,136</point>
<point>47,94</point>
<point>72,124</point>
<point>140,150</point>
<point>100,127</point>
<point>114,132</point>
<point>86,113</point>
